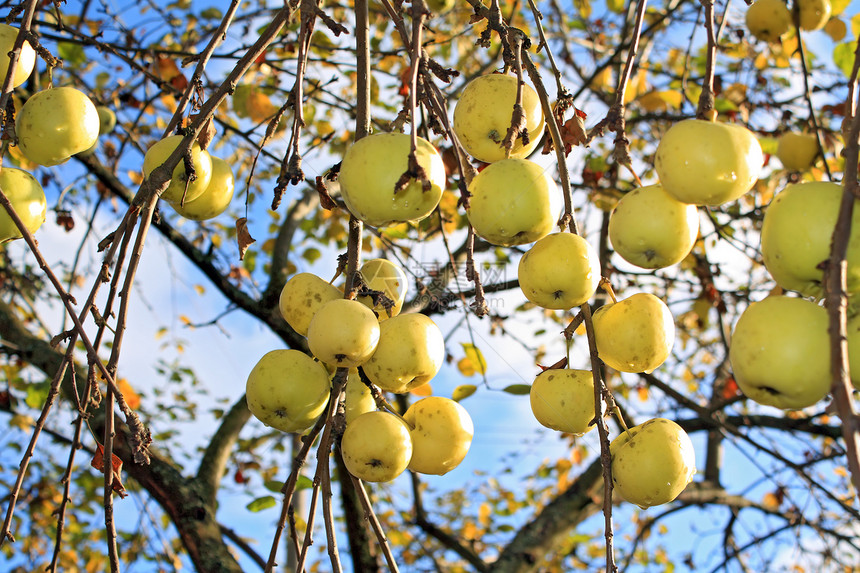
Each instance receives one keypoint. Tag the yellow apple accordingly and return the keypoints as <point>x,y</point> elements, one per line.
<point>176,189</point>
<point>215,198</point>
<point>814,14</point>
<point>652,463</point>
<point>55,124</point>
<point>107,119</point>
<point>635,334</point>
<point>28,200</point>
<point>388,277</point>
<point>376,446</point>
<point>563,400</point>
<point>780,352</point>
<point>651,229</point>
<point>302,296</point>
<point>357,398</point>
<point>703,162</point>
<point>767,20</point>
<point>514,202</point>
<point>560,271</point>
<point>410,353</point>
<point>441,433</point>
<point>482,117</point>
<point>287,390</point>
<point>796,234</point>
<point>26,59</point>
<point>371,169</point>
<point>343,333</point>
<point>797,151</point>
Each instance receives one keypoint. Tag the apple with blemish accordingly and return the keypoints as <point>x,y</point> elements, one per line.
<point>343,333</point>
<point>563,399</point>
<point>441,431</point>
<point>376,446</point>
<point>410,352</point>
<point>560,271</point>
<point>302,296</point>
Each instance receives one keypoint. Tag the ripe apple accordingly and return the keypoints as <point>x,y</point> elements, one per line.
<point>651,229</point>
<point>287,390</point>
<point>376,446</point>
<point>28,200</point>
<point>563,400</point>
<point>371,169</point>
<point>302,296</point>
<point>410,353</point>
<point>482,117</point>
<point>767,20</point>
<point>107,119</point>
<point>814,14</point>
<point>388,277</point>
<point>215,198</point>
<point>854,349</point>
<point>441,434</point>
<point>702,162</point>
<point>176,189</point>
<point>514,202</point>
<point>55,124</point>
<point>343,333</point>
<point>796,234</point>
<point>26,59</point>
<point>635,334</point>
<point>780,352</point>
<point>357,397</point>
<point>560,271</point>
<point>797,151</point>
<point>652,463</point>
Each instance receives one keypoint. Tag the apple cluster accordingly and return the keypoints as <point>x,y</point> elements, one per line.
<point>397,353</point>
<point>770,20</point>
<point>780,345</point>
<point>205,196</point>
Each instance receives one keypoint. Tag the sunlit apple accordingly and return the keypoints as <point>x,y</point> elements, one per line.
<point>652,463</point>
<point>780,352</point>
<point>514,202</point>
<point>651,229</point>
<point>28,200</point>
<point>343,333</point>
<point>635,334</point>
<point>441,431</point>
<point>357,398</point>
<point>26,59</point>
<point>410,353</point>
<point>287,390</point>
<point>797,151</point>
<point>215,198</point>
<point>376,446</point>
<point>55,124</point>
<point>180,190</point>
<point>302,296</point>
<point>386,276</point>
<point>482,117</point>
<point>560,271</point>
<point>814,14</point>
<point>703,162</point>
<point>563,400</point>
<point>371,169</point>
<point>796,234</point>
<point>767,20</point>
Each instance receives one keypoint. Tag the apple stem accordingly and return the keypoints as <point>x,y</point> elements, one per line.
<point>607,286</point>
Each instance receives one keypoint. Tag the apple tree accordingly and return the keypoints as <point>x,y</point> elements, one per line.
<point>430,286</point>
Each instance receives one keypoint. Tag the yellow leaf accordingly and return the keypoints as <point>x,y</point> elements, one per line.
<point>770,500</point>
<point>484,513</point>
<point>463,391</point>
<point>661,100</point>
<point>736,93</point>
<point>422,391</point>
<point>22,422</point>
<point>132,398</point>
<point>473,353</point>
<point>199,289</point>
<point>184,320</point>
<point>465,367</point>
<point>642,392</point>
<point>136,177</point>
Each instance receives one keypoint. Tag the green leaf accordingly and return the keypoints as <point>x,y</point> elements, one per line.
<point>463,391</point>
<point>211,14</point>
<point>616,6</point>
<point>71,53</point>
<point>517,389</point>
<point>304,482</point>
<point>273,485</point>
<point>36,395</point>
<point>843,57</point>
<point>261,503</point>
